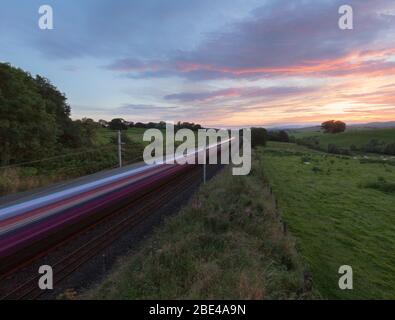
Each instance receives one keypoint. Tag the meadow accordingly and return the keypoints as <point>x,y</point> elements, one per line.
<point>352,139</point>
<point>341,211</point>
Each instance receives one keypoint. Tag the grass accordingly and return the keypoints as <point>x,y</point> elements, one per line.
<point>228,243</point>
<point>358,138</point>
<point>75,163</point>
<point>341,212</point>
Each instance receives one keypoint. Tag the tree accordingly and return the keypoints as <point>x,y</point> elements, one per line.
<point>34,118</point>
<point>281,136</point>
<point>103,123</point>
<point>333,126</point>
<point>118,124</point>
<point>27,129</point>
<point>258,137</point>
<point>139,125</point>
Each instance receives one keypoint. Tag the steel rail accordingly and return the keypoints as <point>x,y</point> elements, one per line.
<point>67,265</point>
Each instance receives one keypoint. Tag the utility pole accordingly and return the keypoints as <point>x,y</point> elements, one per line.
<point>119,149</point>
<point>204,165</point>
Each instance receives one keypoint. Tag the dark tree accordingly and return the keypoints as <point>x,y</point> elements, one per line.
<point>103,123</point>
<point>118,124</point>
<point>258,137</point>
<point>139,125</point>
<point>281,136</point>
<point>333,126</point>
<point>34,116</point>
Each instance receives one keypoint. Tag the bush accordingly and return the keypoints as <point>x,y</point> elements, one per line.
<point>310,142</point>
<point>280,136</point>
<point>390,149</point>
<point>381,184</point>
<point>374,146</point>
<point>332,148</point>
<point>258,137</point>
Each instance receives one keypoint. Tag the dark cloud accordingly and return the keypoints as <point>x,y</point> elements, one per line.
<point>112,29</point>
<point>282,38</point>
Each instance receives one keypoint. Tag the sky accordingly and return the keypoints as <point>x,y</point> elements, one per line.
<point>214,62</point>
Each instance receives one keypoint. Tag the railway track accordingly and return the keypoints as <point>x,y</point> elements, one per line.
<point>142,208</point>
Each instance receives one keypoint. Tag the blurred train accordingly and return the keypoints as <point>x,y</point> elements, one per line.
<point>34,223</point>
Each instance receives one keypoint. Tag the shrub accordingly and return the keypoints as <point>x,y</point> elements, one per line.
<point>280,136</point>
<point>332,148</point>
<point>390,149</point>
<point>381,184</point>
<point>374,146</point>
<point>258,137</point>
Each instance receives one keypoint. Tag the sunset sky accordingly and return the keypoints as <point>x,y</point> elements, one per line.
<point>215,62</point>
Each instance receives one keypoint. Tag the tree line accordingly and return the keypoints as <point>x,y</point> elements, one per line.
<point>122,124</point>
<point>35,118</point>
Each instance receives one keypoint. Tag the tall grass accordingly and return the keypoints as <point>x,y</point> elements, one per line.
<point>228,243</point>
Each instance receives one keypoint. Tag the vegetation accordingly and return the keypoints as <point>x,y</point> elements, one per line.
<point>380,141</point>
<point>35,119</point>
<point>118,124</point>
<point>228,243</point>
<point>121,124</point>
<point>333,126</point>
<point>341,210</point>
<point>280,136</point>
<point>258,137</point>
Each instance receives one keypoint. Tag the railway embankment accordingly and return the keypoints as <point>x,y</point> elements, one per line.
<point>229,242</point>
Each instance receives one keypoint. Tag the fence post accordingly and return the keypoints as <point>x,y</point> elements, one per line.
<point>119,149</point>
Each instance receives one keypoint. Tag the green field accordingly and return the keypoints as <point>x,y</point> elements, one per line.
<point>353,137</point>
<point>342,212</point>
<point>102,155</point>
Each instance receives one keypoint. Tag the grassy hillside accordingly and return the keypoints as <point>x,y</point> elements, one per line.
<point>101,155</point>
<point>341,210</point>
<point>353,137</point>
<point>228,243</point>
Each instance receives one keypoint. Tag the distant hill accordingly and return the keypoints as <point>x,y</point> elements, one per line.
<point>364,126</point>
<point>375,125</point>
